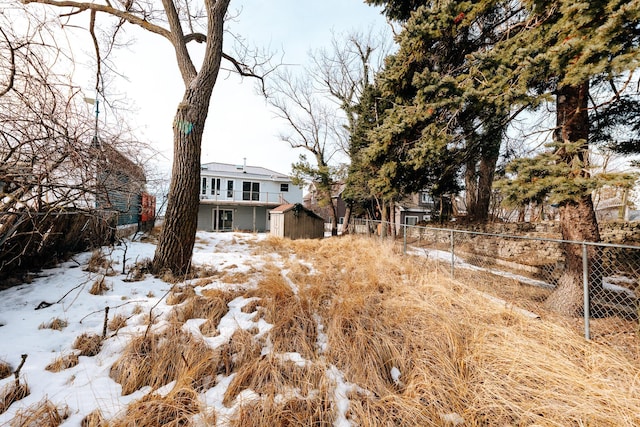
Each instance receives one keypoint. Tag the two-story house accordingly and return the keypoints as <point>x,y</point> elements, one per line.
<point>240,197</point>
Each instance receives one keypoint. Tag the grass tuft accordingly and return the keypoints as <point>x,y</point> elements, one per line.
<point>158,358</point>
<point>180,294</point>
<point>63,362</point>
<point>41,414</point>
<point>94,419</point>
<point>88,344</point>
<point>12,392</point>
<point>99,287</point>
<point>56,324</point>
<point>117,322</point>
<point>98,261</point>
<point>5,370</point>
<point>173,410</point>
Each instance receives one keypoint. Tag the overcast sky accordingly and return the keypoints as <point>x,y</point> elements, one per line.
<point>240,124</point>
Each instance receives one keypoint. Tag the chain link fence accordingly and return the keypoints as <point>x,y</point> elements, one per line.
<point>536,274</point>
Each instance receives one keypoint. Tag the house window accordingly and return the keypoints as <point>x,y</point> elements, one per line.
<point>229,189</point>
<point>284,188</point>
<point>425,198</point>
<point>410,220</point>
<point>204,185</point>
<point>215,186</point>
<point>250,190</point>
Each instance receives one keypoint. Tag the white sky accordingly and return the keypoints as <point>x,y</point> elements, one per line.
<point>240,124</point>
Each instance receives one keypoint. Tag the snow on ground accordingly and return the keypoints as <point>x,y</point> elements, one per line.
<point>612,283</point>
<point>87,386</point>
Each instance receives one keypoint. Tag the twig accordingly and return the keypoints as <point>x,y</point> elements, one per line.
<point>151,319</point>
<point>106,319</point>
<point>17,372</point>
<point>116,306</point>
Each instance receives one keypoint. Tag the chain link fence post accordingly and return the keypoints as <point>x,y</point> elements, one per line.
<point>585,285</point>
<point>453,256</point>
<point>404,243</point>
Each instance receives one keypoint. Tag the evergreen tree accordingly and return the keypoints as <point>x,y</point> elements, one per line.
<point>441,123</point>
<point>555,54</point>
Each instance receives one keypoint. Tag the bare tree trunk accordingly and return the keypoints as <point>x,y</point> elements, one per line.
<point>334,216</point>
<point>471,189</point>
<point>175,245</point>
<point>384,219</point>
<point>577,218</point>
<point>485,181</point>
<point>177,239</point>
<point>346,226</point>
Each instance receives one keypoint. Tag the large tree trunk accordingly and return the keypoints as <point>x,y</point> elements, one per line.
<point>346,226</point>
<point>486,172</point>
<point>334,217</point>
<point>175,245</point>
<point>177,239</point>
<point>471,189</point>
<point>577,217</point>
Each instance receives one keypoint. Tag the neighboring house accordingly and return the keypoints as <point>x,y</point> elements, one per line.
<point>121,188</point>
<point>296,222</point>
<point>241,197</point>
<point>414,208</point>
<point>312,201</point>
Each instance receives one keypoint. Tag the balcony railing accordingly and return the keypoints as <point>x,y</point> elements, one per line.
<point>246,197</point>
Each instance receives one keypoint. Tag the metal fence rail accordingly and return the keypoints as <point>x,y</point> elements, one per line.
<point>530,269</point>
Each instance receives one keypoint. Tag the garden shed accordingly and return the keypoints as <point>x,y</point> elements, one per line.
<point>296,222</point>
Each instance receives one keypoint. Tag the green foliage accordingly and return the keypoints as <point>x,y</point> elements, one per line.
<point>549,178</point>
<point>464,69</point>
<point>397,9</point>
<point>437,122</point>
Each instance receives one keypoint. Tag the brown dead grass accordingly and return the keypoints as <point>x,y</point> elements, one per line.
<point>294,329</point>
<point>161,357</point>
<point>211,305</point>
<point>173,410</point>
<point>180,294</point>
<point>355,306</point>
<point>310,411</point>
<point>12,392</point>
<point>272,375</point>
<point>94,419</point>
<point>241,349</point>
<point>56,324</point>
<point>63,362</point>
<point>41,414</point>
<point>98,261</point>
<point>99,287</point>
<point>5,370</point>
<point>459,355</point>
<point>88,344</point>
<point>117,322</point>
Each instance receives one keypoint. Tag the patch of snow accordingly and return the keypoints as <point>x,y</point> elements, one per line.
<point>395,375</point>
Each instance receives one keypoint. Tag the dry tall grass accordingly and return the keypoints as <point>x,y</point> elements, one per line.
<point>12,392</point>
<point>41,414</point>
<point>161,357</point>
<point>454,354</point>
<point>405,344</point>
<point>5,369</point>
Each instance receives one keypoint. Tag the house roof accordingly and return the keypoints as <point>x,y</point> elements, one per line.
<point>290,206</point>
<point>227,169</point>
<point>118,161</point>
